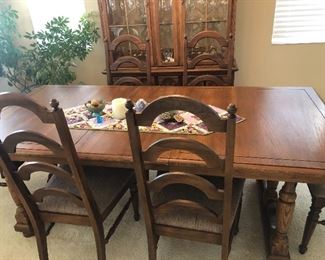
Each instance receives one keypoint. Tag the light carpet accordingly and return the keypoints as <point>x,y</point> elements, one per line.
<point>68,242</point>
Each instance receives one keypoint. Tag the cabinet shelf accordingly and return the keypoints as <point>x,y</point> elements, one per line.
<point>130,25</point>
<point>208,21</point>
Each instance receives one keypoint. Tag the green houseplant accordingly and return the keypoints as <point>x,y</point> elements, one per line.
<point>49,57</point>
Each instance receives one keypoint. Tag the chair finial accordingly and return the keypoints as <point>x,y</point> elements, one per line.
<point>232,109</point>
<point>54,104</point>
<point>129,104</point>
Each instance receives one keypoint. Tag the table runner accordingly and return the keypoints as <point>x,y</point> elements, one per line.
<point>79,117</point>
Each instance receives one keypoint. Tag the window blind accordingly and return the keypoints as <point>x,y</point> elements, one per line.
<point>299,21</point>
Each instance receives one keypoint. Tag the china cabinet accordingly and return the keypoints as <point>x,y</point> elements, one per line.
<point>165,24</point>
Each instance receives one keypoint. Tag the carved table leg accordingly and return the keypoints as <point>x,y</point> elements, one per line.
<point>284,213</point>
<point>23,224</point>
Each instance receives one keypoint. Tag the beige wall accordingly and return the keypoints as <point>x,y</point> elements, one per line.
<point>264,64</point>
<point>260,63</point>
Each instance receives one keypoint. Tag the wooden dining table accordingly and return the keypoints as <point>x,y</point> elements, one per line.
<point>281,139</point>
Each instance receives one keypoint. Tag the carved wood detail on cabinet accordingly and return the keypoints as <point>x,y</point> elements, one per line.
<point>164,24</point>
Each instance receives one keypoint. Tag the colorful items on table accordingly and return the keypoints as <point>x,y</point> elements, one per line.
<point>112,118</point>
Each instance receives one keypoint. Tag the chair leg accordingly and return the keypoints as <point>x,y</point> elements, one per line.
<point>100,242</point>
<point>225,250</point>
<point>152,246</point>
<point>135,201</point>
<point>311,222</point>
<point>39,231</point>
<point>225,245</point>
<point>236,224</point>
<point>2,184</point>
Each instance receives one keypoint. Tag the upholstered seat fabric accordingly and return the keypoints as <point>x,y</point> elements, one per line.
<point>190,219</point>
<point>104,183</point>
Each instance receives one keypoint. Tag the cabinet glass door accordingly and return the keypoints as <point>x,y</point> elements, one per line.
<point>203,15</point>
<point>127,17</point>
<point>206,15</point>
<point>166,27</point>
<point>165,20</point>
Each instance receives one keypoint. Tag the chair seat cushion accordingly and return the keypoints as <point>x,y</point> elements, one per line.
<point>104,183</point>
<point>317,190</point>
<point>194,220</point>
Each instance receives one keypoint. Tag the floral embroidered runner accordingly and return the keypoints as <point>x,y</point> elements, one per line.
<point>80,118</point>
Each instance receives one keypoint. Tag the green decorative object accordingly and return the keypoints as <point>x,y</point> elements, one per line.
<point>49,58</point>
<point>95,106</point>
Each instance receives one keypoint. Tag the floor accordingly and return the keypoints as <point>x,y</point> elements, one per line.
<point>67,242</point>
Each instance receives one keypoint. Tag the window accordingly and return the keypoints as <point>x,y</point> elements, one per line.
<point>299,21</point>
<point>43,11</point>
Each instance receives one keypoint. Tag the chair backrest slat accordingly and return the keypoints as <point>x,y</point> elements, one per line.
<point>166,179</point>
<point>185,176</point>
<point>11,141</point>
<point>174,205</point>
<point>42,193</point>
<point>66,150</point>
<point>177,102</point>
<point>27,169</point>
<point>211,159</point>
<point>16,99</point>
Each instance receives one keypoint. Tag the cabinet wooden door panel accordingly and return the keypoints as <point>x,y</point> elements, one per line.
<point>165,23</point>
<point>165,31</point>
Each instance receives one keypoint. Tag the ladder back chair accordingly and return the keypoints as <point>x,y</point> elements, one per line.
<point>187,203</point>
<point>116,62</point>
<point>317,192</point>
<point>215,57</point>
<point>73,194</point>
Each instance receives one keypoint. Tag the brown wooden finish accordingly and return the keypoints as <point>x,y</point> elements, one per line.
<point>211,159</point>
<point>266,148</point>
<point>218,59</point>
<point>178,102</point>
<point>31,201</point>
<point>256,157</point>
<point>141,66</point>
<point>185,233</point>
<point>26,170</point>
<point>200,80</point>
<point>207,34</point>
<point>178,21</point>
<point>318,203</point>
<point>171,207</point>
<point>203,185</point>
<point>285,207</point>
<point>127,38</point>
<point>154,210</point>
<point>12,140</point>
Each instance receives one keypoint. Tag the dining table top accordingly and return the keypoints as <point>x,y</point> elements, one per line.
<point>282,137</point>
